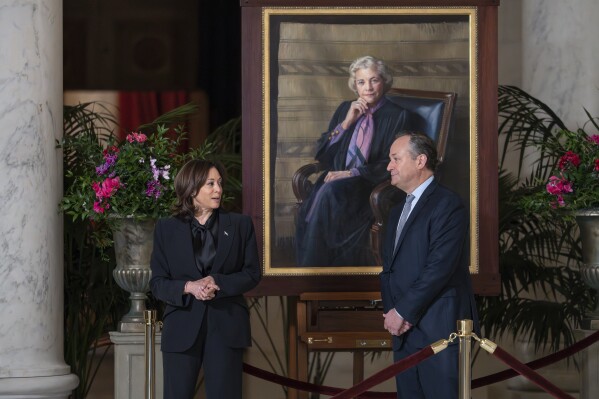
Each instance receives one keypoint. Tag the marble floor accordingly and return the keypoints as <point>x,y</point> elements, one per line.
<point>103,385</point>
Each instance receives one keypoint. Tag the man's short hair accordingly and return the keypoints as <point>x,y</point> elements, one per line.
<point>420,143</point>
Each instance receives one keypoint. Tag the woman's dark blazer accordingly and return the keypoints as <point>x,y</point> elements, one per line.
<point>236,270</point>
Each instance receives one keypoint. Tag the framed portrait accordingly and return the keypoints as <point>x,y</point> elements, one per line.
<point>301,76</point>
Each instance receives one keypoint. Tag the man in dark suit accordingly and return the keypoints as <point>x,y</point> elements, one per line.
<point>425,282</point>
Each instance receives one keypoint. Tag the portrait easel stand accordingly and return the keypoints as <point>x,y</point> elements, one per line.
<point>334,321</point>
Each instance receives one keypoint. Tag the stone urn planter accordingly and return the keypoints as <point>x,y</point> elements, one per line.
<point>588,222</point>
<point>133,248</point>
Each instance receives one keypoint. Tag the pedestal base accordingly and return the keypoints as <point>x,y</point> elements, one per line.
<point>589,364</point>
<point>132,327</point>
<point>51,387</point>
<point>590,324</point>
<point>130,365</point>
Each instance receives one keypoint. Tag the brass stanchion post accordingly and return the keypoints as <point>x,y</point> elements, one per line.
<point>465,339</point>
<point>150,319</point>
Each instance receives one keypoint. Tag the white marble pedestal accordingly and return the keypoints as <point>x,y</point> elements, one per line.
<point>589,367</point>
<point>130,365</point>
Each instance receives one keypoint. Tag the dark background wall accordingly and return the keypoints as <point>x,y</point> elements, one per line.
<point>192,45</point>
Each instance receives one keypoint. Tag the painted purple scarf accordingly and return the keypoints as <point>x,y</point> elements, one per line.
<point>359,146</point>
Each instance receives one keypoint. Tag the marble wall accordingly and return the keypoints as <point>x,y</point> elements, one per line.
<point>510,43</point>
<point>560,41</point>
<point>550,49</point>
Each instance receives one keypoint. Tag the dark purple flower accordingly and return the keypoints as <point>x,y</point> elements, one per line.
<point>154,189</point>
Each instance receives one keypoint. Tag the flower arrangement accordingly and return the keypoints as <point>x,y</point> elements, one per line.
<point>574,182</point>
<point>133,178</point>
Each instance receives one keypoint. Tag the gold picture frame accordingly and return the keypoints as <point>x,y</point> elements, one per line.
<point>308,50</point>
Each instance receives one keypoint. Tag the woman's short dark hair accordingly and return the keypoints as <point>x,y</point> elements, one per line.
<point>420,143</point>
<point>189,180</point>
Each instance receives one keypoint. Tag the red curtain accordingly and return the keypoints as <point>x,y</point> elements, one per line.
<point>139,107</point>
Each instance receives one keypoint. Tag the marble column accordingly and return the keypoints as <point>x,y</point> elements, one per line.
<point>31,242</point>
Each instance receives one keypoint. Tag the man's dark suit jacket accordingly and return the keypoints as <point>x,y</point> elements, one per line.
<point>236,270</point>
<point>427,279</point>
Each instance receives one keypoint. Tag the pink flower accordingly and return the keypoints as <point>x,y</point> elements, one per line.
<point>98,208</point>
<point>559,203</point>
<point>138,137</point>
<point>97,188</point>
<point>569,158</point>
<point>594,138</point>
<point>111,151</point>
<point>557,186</point>
<point>597,163</point>
<point>567,187</point>
<point>107,188</point>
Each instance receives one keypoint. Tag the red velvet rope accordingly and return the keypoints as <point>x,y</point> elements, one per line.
<point>477,383</point>
<point>359,389</point>
<point>289,382</point>
<point>386,373</point>
<point>539,363</point>
<point>307,386</point>
<point>530,374</point>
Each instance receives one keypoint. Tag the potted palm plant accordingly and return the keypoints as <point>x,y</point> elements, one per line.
<point>572,191</point>
<point>93,302</point>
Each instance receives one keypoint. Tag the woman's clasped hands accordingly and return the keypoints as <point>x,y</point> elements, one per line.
<point>203,289</point>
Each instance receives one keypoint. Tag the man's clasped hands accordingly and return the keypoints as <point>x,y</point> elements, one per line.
<point>395,324</point>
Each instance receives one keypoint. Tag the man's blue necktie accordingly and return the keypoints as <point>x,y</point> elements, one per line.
<point>402,219</point>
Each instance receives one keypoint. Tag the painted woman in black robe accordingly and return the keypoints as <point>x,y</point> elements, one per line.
<point>333,224</point>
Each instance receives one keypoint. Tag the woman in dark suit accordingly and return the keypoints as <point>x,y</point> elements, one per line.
<point>204,260</point>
